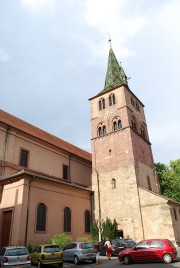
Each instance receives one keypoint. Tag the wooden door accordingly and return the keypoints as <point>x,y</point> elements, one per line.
<point>6,227</point>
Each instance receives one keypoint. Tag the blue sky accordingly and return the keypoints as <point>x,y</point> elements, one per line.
<point>53,58</point>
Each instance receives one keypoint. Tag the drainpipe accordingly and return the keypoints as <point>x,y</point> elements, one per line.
<point>139,201</point>
<point>4,152</point>
<point>99,205</point>
<point>69,169</point>
<point>99,199</point>
<point>27,215</point>
<point>92,206</point>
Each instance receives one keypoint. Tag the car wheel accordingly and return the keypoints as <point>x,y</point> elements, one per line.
<point>61,264</point>
<point>39,264</point>
<point>94,260</point>
<point>127,259</point>
<point>76,260</point>
<point>167,258</point>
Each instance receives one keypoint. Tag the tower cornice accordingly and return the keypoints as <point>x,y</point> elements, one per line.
<point>123,85</point>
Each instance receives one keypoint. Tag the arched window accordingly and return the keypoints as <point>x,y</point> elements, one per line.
<point>143,131</point>
<point>114,125</point>
<point>41,217</point>
<point>101,129</point>
<point>137,106</point>
<point>87,221</point>
<point>117,124</point>
<point>132,101</point>
<point>113,183</point>
<point>67,220</point>
<point>149,183</point>
<point>104,130</point>
<point>134,123</point>
<point>111,99</point>
<point>101,104</point>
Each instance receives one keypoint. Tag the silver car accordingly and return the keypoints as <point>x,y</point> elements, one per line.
<point>79,252</point>
<point>15,256</point>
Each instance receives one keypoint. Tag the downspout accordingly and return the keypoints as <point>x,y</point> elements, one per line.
<point>69,169</point>
<point>98,193</point>
<point>91,206</point>
<point>4,153</point>
<point>99,205</point>
<point>142,226</point>
<point>27,214</point>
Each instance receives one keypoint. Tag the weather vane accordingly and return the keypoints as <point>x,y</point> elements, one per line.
<point>109,40</point>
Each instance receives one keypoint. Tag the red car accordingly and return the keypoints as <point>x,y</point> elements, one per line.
<point>149,250</point>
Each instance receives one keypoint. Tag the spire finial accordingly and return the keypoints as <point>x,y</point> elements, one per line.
<point>109,40</point>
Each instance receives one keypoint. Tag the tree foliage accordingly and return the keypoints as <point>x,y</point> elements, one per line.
<point>169,179</point>
<point>60,239</point>
<point>109,230</point>
<point>94,231</point>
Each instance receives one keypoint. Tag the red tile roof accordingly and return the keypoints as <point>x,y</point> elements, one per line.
<point>21,125</point>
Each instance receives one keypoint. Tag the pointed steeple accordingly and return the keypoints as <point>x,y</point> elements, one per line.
<point>115,75</point>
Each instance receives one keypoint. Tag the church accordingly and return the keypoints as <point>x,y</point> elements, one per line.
<point>49,186</point>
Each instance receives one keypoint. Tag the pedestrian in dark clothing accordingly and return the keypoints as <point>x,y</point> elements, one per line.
<point>97,250</point>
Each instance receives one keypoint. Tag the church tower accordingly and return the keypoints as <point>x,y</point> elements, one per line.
<point>122,159</point>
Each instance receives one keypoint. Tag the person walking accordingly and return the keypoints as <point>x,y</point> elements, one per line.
<point>108,246</point>
<point>97,250</point>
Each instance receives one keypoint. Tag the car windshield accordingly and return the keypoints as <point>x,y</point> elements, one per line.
<point>118,241</point>
<point>49,249</point>
<point>86,245</point>
<point>17,252</point>
<point>128,240</point>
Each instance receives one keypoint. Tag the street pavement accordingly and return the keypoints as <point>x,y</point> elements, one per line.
<point>114,263</point>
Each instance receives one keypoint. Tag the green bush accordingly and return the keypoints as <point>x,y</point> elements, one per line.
<point>29,248</point>
<point>94,232</point>
<point>60,239</point>
<point>82,239</point>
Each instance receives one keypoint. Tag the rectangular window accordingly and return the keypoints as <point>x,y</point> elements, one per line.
<point>65,172</point>
<point>23,161</point>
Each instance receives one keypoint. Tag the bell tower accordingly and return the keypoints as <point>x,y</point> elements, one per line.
<point>121,152</point>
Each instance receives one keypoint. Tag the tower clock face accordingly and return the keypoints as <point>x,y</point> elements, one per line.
<point>106,114</point>
<point>136,115</point>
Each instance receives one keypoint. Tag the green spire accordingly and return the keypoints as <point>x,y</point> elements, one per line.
<point>115,75</point>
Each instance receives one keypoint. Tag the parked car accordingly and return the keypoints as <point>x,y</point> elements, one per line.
<point>15,256</point>
<point>149,250</point>
<point>79,252</point>
<point>47,254</point>
<point>129,242</point>
<point>117,246</point>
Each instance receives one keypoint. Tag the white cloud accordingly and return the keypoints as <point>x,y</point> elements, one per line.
<point>109,17</point>
<point>169,14</point>
<point>3,55</point>
<point>43,8</point>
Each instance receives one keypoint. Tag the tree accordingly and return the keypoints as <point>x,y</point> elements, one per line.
<point>60,239</point>
<point>169,179</point>
<point>109,230</point>
<point>94,231</point>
